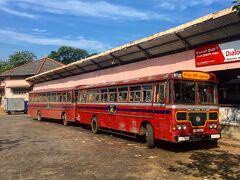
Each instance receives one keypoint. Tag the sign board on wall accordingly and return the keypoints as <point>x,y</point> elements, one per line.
<point>217,54</point>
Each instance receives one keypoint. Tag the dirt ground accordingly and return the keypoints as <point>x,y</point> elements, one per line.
<point>47,150</point>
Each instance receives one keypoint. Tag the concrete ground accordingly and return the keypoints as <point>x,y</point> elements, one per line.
<point>47,150</point>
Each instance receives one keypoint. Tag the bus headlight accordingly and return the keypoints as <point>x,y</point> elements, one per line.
<point>184,126</point>
<point>179,127</point>
<point>210,126</point>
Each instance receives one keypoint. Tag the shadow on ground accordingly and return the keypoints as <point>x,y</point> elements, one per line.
<point>9,144</point>
<point>211,165</point>
<point>169,146</point>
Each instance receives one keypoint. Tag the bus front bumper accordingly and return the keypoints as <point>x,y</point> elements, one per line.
<point>198,137</point>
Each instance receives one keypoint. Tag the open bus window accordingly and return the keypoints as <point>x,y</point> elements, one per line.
<point>64,97</point>
<point>90,97</point>
<point>113,95</point>
<point>82,96</point>
<point>69,97</point>
<point>147,93</point>
<point>96,95</point>
<point>59,97</point>
<point>184,92</point>
<point>135,93</point>
<point>48,97</point>
<point>104,95</point>
<point>206,93</point>
<point>160,93</point>
<point>122,94</point>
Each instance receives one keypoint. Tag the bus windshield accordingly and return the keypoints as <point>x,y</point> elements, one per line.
<point>207,93</point>
<point>185,92</point>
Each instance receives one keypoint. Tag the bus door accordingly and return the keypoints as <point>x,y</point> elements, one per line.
<point>160,115</point>
<point>75,97</point>
<point>112,117</point>
<point>112,108</point>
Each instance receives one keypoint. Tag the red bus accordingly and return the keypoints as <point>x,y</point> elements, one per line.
<point>176,107</point>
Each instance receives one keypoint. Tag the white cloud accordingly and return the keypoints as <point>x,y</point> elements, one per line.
<point>90,8</point>
<point>79,42</point>
<point>37,30</point>
<point>183,4</point>
<point>18,13</point>
<point>5,7</point>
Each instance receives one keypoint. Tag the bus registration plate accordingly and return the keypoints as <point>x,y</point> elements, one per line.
<point>197,130</point>
<point>215,136</point>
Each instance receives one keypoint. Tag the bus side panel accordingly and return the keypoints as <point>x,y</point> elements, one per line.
<point>162,118</point>
<point>102,120</point>
<point>121,123</point>
<point>130,118</point>
<point>83,114</point>
<point>32,111</point>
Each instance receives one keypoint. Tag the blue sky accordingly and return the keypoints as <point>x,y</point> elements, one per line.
<point>41,26</point>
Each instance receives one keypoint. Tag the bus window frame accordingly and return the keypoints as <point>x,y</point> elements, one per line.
<point>104,93</point>
<point>129,89</point>
<point>114,92</point>
<point>157,100</point>
<point>118,92</point>
<point>152,92</point>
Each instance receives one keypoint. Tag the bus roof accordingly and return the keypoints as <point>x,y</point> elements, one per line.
<point>53,90</point>
<point>159,77</point>
<point>189,75</point>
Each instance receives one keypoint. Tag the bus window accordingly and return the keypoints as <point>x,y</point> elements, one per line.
<point>122,94</point>
<point>135,93</point>
<point>113,95</point>
<point>83,96</point>
<point>54,97</point>
<point>96,95</point>
<point>69,97</point>
<point>90,96</point>
<point>59,97</point>
<point>40,98</point>
<point>147,93</point>
<point>44,98</point>
<point>64,97</point>
<point>160,93</point>
<point>206,93</point>
<point>104,95</point>
<point>184,92</point>
<point>48,97</point>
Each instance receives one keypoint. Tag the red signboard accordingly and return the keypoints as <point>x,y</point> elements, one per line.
<point>217,54</point>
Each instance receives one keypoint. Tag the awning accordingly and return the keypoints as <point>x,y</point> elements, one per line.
<point>19,86</point>
<point>217,27</point>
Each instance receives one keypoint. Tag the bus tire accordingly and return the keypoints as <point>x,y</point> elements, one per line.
<point>39,117</point>
<point>150,136</point>
<point>94,125</point>
<point>65,120</point>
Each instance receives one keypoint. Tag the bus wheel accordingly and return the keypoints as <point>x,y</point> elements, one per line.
<point>39,117</point>
<point>65,120</point>
<point>94,125</point>
<point>150,136</point>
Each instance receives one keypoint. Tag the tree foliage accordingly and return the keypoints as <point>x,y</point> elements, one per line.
<point>236,6</point>
<point>4,66</point>
<point>21,57</point>
<point>16,59</point>
<point>68,55</point>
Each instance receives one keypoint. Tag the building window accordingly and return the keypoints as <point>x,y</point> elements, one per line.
<point>19,91</point>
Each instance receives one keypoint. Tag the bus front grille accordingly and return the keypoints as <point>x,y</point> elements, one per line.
<point>198,118</point>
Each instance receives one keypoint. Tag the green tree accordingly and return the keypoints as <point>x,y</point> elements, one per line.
<point>21,57</point>
<point>4,66</point>
<point>68,55</point>
<point>236,6</point>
